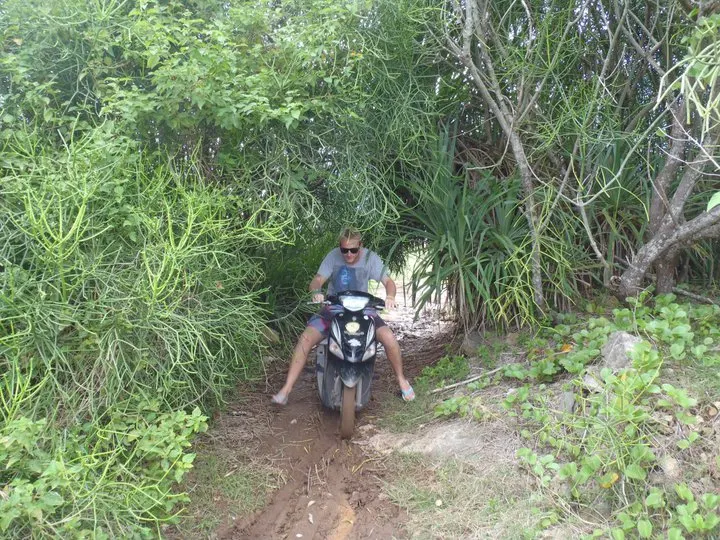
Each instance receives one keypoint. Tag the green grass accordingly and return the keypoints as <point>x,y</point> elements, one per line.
<point>447,370</point>
<point>452,499</point>
<point>402,417</point>
<point>222,489</point>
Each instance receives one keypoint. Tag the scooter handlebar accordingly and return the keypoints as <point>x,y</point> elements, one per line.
<point>374,301</point>
<point>334,299</point>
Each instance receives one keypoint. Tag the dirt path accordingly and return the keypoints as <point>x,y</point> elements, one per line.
<point>333,488</point>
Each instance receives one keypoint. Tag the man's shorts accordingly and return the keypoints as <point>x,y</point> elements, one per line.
<point>321,321</point>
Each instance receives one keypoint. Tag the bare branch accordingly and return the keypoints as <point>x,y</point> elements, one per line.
<point>693,171</point>
<point>669,172</point>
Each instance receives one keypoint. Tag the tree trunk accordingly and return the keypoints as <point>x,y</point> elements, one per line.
<point>665,268</point>
<point>671,237</point>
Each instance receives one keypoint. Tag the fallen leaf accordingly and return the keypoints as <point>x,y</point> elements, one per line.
<point>614,477</point>
<point>310,519</point>
<point>311,503</point>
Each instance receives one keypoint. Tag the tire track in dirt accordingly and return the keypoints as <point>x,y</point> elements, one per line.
<point>333,488</point>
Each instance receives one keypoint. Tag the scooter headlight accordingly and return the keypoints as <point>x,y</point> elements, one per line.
<point>370,337</point>
<point>335,349</point>
<point>369,352</point>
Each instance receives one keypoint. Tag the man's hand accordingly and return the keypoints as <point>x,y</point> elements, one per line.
<point>390,302</point>
<point>318,297</point>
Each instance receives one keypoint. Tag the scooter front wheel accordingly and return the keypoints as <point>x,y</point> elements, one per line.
<point>347,412</point>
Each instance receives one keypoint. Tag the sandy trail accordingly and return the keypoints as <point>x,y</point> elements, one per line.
<point>333,488</point>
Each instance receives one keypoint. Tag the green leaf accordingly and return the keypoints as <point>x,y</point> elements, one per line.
<point>52,498</point>
<point>684,492</point>
<point>677,349</point>
<point>687,419</point>
<point>714,201</point>
<point>710,501</point>
<point>635,471</point>
<point>675,534</point>
<point>655,500</point>
<point>644,528</point>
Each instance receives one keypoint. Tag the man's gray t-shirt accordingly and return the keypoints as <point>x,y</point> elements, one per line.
<point>342,276</point>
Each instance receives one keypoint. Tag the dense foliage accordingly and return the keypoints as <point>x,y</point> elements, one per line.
<point>172,172</point>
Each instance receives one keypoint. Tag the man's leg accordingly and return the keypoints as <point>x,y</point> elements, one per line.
<point>308,339</point>
<point>392,350</point>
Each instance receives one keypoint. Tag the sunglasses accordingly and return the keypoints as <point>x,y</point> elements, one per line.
<point>349,250</point>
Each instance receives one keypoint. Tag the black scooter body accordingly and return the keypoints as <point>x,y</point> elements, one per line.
<point>335,371</point>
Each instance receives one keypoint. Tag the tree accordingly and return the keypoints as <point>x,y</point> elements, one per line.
<point>574,87</point>
<point>691,162</point>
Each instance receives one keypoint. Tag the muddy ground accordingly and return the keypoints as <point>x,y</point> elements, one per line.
<point>329,488</point>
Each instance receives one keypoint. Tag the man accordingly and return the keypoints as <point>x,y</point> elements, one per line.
<point>349,266</point>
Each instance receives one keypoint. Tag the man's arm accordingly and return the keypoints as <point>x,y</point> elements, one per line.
<point>390,290</point>
<point>316,287</point>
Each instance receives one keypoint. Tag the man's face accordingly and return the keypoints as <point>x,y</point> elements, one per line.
<point>350,244</point>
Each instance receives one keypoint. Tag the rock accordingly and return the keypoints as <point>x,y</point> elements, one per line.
<point>592,380</point>
<point>567,402</point>
<point>670,467</point>
<point>615,356</point>
<point>616,352</point>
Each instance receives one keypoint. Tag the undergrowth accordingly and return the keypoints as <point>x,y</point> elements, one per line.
<point>628,452</point>
<point>127,309</point>
<point>448,369</point>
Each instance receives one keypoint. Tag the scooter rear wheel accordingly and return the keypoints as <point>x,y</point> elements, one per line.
<point>347,412</point>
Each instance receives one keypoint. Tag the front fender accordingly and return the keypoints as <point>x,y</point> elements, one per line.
<point>352,373</point>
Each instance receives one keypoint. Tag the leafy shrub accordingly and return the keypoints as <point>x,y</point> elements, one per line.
<point>128,298</point>
<point>99,480</point>
<point>609,442</point>
<point>473,242</point>
<point>446,370</point>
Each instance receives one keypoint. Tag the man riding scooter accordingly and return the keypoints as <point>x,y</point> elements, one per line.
<point>347,267</point>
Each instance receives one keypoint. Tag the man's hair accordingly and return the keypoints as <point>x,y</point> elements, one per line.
<point>349,233</point>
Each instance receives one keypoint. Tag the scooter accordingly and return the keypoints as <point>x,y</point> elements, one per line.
<point>346,361</point>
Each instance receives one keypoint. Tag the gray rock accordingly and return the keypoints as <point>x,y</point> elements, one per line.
<point>616,352</point>
<point>567,402</point>
<point>592,380</point>
<point>615,356</point>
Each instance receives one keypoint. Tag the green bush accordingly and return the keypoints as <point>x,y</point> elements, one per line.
<point>473,243</point>
<point>612,439</point>
<point>94,480</point>
<point>127,300</point>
